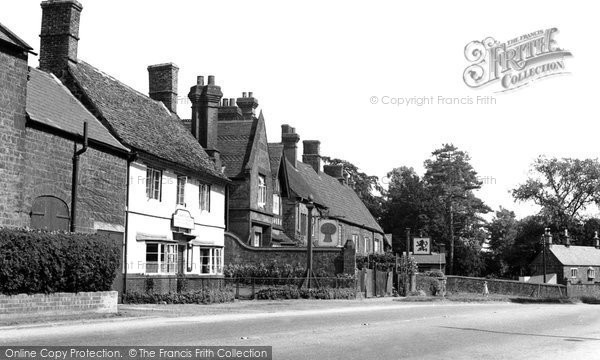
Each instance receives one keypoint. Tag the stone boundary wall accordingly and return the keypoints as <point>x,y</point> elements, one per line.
<point>579,290</point>
<point>505,287</point>
<point>24,305</point>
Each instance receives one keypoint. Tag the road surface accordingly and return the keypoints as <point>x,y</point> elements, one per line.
<point>380,330</point>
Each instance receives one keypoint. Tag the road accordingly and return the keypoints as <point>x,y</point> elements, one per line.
<point>380,330</point>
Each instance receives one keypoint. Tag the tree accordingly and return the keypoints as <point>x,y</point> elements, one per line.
<point>503,231</point>
<point>367,187</point>
<point>405,205</point>
<point>564,188</point>
<point>450,180</point>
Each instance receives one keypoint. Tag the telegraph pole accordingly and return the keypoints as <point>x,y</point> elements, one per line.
<point>406,262</point>
<point>451,238</point>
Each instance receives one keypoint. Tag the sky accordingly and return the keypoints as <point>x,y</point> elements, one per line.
<point>318,66</point>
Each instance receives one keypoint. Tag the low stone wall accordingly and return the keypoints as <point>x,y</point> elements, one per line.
<point>580,290</point>
<point>23,305</point>
<point>505,287</point>
<point>331,260</point>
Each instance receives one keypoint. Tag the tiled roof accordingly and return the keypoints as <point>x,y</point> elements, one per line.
<point>235,140</point>
<point>341,201</point>
<point>275,155</point>
<point>433,258</point>
<point>49,102</point>
<point>576,255</point>
<point>9,37</point>
<point>142,123</point>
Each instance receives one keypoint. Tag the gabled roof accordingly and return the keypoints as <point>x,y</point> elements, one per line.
<point>342,202</point>
<point>140,122</point>
<point>50,103</point>
<point>9,37</point>
<point>235,142</point>
<point>576,255</point>
<point>275,155</point>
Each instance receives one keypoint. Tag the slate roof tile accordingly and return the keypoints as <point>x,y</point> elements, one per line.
<point>576,255</point>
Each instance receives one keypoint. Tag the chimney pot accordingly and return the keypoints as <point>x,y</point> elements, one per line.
<point>231,102</point>
<point>290,139</point>
<point>243,94</point>
<point>200,81</point>
<point>211,79</point>
<point>225,102</point>
<point>205,112</point>
<point>250,94</point>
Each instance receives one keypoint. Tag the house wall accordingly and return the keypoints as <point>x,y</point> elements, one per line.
<point>553,266</point>
<point>582,272</point>
<point>34,162</point>
<point>151,217</point>
<point>13,92</point>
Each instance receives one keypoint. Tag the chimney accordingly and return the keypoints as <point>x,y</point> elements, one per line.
<point>229,111</point>
<point>597,240</point>
<point>336,171</point>
<point>290,139</point>
<point>162,80</point>
<point>59,35</point>
<point>205,112</point>
<point>567,238</point>
<point>312,154</point>
<point>247,104</point>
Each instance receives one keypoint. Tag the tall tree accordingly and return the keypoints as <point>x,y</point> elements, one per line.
<point>564,188</point>
<point>367,187</point>
<point>503,230</point>
<point>450,180</point>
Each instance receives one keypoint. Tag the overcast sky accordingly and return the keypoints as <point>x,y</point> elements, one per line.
<point>316,65</point>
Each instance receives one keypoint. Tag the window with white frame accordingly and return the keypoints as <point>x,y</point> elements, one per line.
<point>367,245</point>
<point>276,204</point>
<point>591,273</point>
<point>376,246</point>
<point>573,272</point>
<point>181,181</point>
<point>211,261</point>
<point>262,190</point>
<point>153,183</point>
<point>355,240</point>
<point>204,197</point>
<point>161,258</point>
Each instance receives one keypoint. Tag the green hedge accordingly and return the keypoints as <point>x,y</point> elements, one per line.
<point>205,296</point>
<point>291,292</point>
<point>429,284</point>
<point>33,261</point>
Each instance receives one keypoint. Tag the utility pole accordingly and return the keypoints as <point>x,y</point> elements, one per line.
<point>309,263</point>
<point>451,237</point>
<point>547,240</point>
<point>406,262</point>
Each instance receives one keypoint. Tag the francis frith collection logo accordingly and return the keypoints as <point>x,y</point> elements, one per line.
<point>514,63</point>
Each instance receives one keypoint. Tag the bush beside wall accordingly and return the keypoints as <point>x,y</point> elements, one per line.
<point>33,261</point>
<point>205,296</point>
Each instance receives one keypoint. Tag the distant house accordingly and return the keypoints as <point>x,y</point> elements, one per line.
<point>172,189</point>
<point>571,264</point>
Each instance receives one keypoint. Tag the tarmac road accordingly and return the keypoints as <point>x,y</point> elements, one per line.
<point>357,330</point>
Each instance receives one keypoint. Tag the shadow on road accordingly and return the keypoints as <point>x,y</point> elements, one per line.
<point>567,338</point>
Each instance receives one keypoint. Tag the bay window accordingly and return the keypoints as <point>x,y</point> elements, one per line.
<point>161,258</point>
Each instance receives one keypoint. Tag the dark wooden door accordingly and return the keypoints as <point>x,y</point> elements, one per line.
<point>180,259</point>
<point>50,213</point>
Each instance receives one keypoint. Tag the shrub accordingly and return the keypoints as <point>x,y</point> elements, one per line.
<point>204,296</point>
<point>435,274</point>
<point>34,261</point>
<point>590,300</point>
<point>428,284</point>
<point>291,292</point>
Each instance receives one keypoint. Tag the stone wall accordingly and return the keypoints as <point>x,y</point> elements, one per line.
<point>330,260</point>
<point>23,305</point>
<point>580,290</point>
<point>505,287</point>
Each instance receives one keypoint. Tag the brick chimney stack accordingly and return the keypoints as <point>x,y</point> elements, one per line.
<point>337,172</point>
<point>229,111</point>
<point>248,105</point>
<point>205,114</point>
<point>60,34</point>
<point>567,238</point>
<point>312,154</point>
<point>162,80</point>
<point>290,139</point>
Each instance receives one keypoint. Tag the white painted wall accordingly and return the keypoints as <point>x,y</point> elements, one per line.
<point>154,217</point>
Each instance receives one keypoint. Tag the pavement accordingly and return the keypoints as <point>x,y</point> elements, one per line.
<point>345,329</point>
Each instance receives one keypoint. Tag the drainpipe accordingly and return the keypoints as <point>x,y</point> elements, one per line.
<point>74,181</point>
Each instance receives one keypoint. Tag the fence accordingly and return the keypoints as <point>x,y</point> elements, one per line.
<point>505,287</point>
<point>374,283</point>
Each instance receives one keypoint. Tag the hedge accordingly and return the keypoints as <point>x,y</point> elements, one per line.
<point>291,292</point>
<point>204,296</point>
<point>34,261</point>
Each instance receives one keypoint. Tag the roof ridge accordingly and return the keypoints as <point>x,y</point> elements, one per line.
<point>137,92</point>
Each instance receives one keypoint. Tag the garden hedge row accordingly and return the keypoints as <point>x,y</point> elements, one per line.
<point>204,296</point>
<point>33,261</point>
